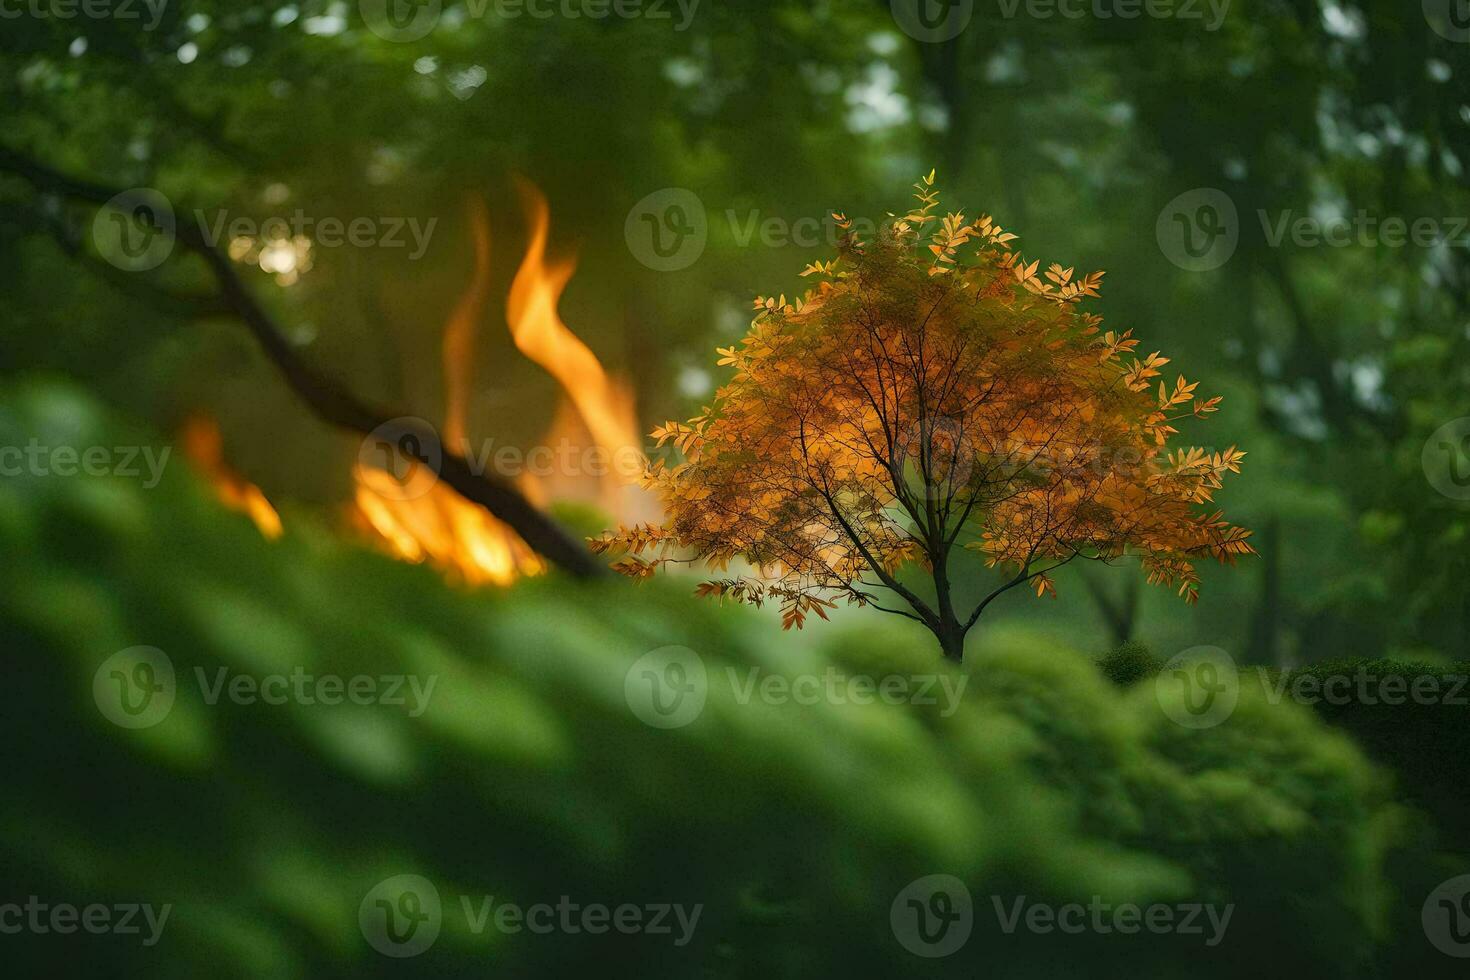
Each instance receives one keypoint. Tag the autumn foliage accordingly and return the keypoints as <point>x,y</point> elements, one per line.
<point>933,394</point>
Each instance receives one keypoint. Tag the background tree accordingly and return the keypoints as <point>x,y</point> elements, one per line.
<point>933,394</point>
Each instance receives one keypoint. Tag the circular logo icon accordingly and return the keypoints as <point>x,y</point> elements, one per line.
<point>135,230</point>
<point>666,687</point>
<point>933,916</point>
<point>1450,19</point>
<point>401,458</point>
<point>135,688</point>
<point>1199,230</point>
<point>1446,917</point>
<point>401,916</point>
<point>932,21</point>
<point>939,454</point>
<point>1446,459</point>
<point>1199,687</point>
<point>667,230</point>
<point>400,20</point>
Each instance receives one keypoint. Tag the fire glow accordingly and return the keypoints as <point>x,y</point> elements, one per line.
<point>202,444</point>
<point>441,527</point>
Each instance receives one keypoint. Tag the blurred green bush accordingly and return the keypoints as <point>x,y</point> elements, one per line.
<point>529,777</point>
<point>1129,663</point>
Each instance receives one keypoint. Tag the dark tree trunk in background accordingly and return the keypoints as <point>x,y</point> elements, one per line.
<point>1266,621</point>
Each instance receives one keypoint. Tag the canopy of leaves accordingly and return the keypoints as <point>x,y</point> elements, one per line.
<point>932,392</point>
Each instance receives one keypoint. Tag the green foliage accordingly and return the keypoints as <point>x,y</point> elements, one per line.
<point>1129,663</point>
<point>1409,716</point>
<point>529,778</point>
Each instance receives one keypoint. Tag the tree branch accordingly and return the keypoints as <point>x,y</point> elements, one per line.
<point>327,400</point>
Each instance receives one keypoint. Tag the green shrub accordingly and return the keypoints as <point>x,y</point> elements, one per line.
<point>528,777</point>
<point>1129,663</point>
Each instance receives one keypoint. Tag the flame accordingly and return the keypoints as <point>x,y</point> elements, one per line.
<point>595,410</point>
<point>441,527</point>
<point>605,405</point>
<point>203,446</point>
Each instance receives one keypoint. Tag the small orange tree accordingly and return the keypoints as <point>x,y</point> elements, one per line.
<point>932,395</point>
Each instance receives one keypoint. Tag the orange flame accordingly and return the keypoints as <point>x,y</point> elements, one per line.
<point>441,527</point>
<point>203,446</point>
<point>606,406</point>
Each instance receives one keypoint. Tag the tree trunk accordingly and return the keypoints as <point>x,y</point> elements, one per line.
<point>951,637</point>
<point>948,629</point>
